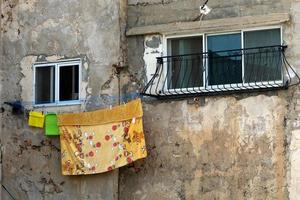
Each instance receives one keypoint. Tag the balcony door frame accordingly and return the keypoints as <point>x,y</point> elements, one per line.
<point>205,60</point>
<point>165,65</point>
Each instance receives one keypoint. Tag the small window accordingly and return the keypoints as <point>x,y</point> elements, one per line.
<point>57,83</point>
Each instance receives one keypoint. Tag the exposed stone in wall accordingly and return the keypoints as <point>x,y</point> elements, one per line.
<point>292,161</point>
<point>123,61</point>
<point>295,163</point>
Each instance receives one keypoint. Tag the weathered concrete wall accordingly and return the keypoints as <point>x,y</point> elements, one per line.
<point>293,133</point>
<point>33,31</point>
<point>149,12</point>
<point>225,147</point>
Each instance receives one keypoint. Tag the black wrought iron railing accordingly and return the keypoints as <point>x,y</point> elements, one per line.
<point>252,69</point>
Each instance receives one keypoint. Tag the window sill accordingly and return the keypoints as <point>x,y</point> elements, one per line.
<point>226,87</point>
<point>58,104</point>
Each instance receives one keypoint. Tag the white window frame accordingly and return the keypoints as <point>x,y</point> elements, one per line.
<point>204,49</point>
<point>57,65</point>
<point>165,52</point>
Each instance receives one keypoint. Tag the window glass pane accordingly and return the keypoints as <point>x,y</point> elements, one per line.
<point>185,70</point>
<point>69,83</point>
<point>44,85</point>
<point>224,67</point>
<point>262,38</point>
<point>262,64</point>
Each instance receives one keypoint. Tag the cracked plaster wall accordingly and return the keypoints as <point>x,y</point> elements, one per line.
<point>34,31</point>
<point>229,147</point>
<point>243,146</point>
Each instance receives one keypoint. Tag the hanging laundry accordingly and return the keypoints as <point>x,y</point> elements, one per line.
<point>51,127</point>
<point>100,141</point>
<point>36,119</point>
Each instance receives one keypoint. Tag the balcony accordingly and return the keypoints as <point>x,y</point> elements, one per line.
<point>221,72</point>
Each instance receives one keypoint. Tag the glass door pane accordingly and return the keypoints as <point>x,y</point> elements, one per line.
<point>185,67</point>
<point>224,59</point>
<point>264,63</point>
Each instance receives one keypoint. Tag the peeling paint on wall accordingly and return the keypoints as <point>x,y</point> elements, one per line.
<point>153,49</point>
<point>38,31</point>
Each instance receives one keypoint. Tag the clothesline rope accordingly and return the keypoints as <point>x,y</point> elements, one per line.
<point>124,98</point>
<point>97,102</point>
<point>102,101</point>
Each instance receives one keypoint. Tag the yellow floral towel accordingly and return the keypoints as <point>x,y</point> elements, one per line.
<point>100,141</point>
